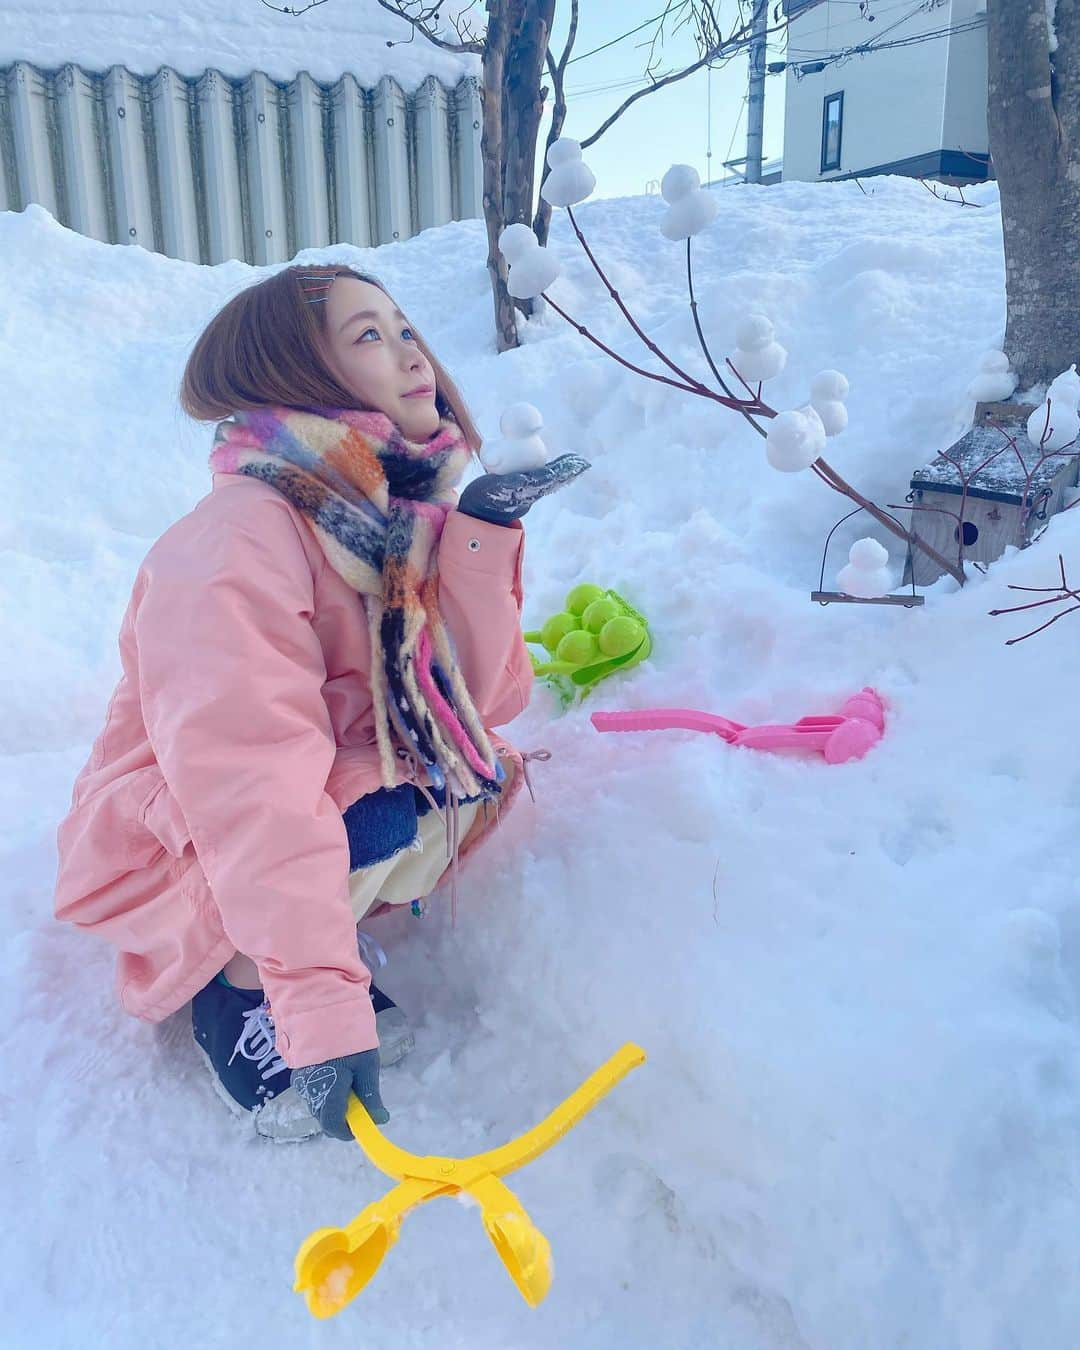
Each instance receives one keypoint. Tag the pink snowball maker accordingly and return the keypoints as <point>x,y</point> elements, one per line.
<point>859,725</point>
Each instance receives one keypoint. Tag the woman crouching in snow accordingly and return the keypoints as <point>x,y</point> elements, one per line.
<point>312,660</point>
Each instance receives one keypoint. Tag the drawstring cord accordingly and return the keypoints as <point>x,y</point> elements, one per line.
<point>540,756</point>
<point>451,817</point>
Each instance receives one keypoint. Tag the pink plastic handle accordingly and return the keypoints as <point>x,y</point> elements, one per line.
<point>849,735</point>
<point>667,719</point>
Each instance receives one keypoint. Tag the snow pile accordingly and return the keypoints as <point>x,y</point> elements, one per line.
<point>859,1125</point>
<point>233,36</point>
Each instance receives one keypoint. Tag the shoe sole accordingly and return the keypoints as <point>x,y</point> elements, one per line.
<point>277,1131</point>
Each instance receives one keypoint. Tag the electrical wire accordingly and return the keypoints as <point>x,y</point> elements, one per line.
<point>868,48</point>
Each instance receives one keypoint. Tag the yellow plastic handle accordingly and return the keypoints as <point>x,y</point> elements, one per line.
<point>334,1264</point>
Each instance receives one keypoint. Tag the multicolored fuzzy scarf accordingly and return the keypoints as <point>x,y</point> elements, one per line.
<point>377,504</point>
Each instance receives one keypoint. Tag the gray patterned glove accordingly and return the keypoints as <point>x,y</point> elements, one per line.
<point>325,1088</point>
<point>501,498</point>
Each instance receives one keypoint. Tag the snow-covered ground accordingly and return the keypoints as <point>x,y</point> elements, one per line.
<point>859,1125</point>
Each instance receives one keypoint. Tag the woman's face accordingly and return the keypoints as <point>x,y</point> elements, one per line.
<point>374,355</point>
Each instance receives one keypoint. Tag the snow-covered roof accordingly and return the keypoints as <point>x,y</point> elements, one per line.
<point>993,470</point>
<point>233,36</point>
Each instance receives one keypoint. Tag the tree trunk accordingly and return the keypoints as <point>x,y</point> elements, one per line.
<point>514,53</point>
<point>491,149</point>
<point>523,106</point>
<point>542,219</point>
<point>1033,118</point>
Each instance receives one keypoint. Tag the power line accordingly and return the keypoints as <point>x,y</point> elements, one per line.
<point>819,61</point>
<point>657,18</point>
<point>630,33</point>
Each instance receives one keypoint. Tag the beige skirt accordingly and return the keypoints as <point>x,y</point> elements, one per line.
<point>412,873</point>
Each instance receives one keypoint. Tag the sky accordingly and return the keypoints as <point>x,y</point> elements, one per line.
<point>669,126</point>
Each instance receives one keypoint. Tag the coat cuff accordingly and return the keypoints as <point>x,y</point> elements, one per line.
<point>344,1028</point>
<point>479,546</point>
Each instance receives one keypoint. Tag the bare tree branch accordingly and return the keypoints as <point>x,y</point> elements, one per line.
<point>557,70</point>
<point>735,42</point>
<point>420,22</point>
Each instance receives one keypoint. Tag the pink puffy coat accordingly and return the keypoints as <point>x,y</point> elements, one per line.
<point>208,819</point>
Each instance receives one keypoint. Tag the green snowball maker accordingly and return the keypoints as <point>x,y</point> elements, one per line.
<point>596,634</point>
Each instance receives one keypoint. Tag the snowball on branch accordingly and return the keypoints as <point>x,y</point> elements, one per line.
<point>795,440</point>
<point>828,390</point>
<point>532,268</point>
<point>570,180</point>
<point>691,209</point>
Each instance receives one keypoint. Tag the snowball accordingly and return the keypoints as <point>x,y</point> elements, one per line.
<point>1056,432</point>
<point>690,215</point>
<point>568,184</point>
<point>753,333</point>
<point>868,554</point>
<point>532,274</point>
<point>520,419</point>
<point>816,428</point>
<point>791,444</point>
<point>764,364</point>
<point>994,363</point>
<point>1065,388</point>
<point>512,454</point>
<point>991,386</point>
<point>563,151</point>
<point>833,414</point>
<point>679,181</point>
<point>828,386</point>
<point>863,584</point>
<point>517,240</point>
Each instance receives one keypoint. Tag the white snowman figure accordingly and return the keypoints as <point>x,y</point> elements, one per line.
<point>532,268</point>
<point>570,180</point>
<point>867,575</point>
<point>691,208</point>
<point>757,355</point>
<point>995,381</point>
<point>828,392</point>
<point>794,440</point>
<point>1065,387</point>
<point>520,446</point>
<point>1054,425</point>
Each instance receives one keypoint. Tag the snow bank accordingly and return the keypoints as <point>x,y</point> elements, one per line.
<point>233,36</point>
<point>859,1125</point>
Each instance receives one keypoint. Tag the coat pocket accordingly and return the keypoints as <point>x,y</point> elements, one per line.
<point>162,816</point>
<point>110,847</point>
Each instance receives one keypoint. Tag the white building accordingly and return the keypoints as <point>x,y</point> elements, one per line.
<point>887,86</point>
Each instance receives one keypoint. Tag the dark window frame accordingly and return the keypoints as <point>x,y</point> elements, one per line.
<point>836,98</point>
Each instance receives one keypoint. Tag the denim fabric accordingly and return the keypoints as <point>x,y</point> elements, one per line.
<point>381,824</point>
<point>384,822</point>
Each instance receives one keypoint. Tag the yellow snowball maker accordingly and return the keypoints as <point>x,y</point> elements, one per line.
<point>334,1264</point>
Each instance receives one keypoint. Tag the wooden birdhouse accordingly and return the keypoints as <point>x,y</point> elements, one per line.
<point>991,489</point>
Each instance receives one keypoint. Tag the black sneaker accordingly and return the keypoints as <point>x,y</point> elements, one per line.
<point>234,1031</point>
<point>396,1038</point>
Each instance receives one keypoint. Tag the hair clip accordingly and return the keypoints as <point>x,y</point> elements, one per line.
<point>320,289</point>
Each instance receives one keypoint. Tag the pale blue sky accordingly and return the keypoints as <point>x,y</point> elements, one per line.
<point>667,127</point>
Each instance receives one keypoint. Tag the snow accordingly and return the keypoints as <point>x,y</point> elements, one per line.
<point>859,1124</point>
<point>233,36</point>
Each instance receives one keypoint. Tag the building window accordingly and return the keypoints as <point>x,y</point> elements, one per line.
<point>832,127</point>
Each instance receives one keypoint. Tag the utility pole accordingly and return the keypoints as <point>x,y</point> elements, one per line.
<point>755,115</point>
